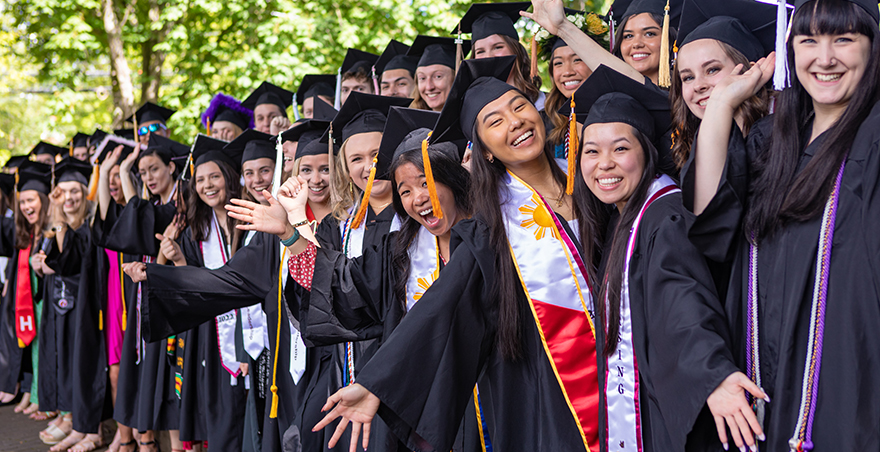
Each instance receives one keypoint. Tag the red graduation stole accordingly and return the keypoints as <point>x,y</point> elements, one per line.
<point>25,323</point>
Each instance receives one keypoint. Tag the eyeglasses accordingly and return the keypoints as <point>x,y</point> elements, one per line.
<point>151,128</point>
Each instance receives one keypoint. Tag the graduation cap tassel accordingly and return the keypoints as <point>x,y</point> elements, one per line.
<point>337,102</point>
<point>296,116</point>
<point>664,78</point>
<point>611,28</point>
<point>208,125</point>
<point>93,182</point>
<point>459,52</point>
<point>365,201</point>
<point>375,81</point>
<point>273,412</point>
<point>70,149</point>
<point>429,177</point>
<point>780,74</point>
<point>279,166</point>
<point>573,148</point>
<point>122,293</point>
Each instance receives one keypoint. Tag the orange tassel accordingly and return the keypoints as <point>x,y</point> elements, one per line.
<point>93,182</point>
<point>208,125</point>
<point>573,148</point>
<point>365,201</point>
<point>122,292</point>
<point>429,176</point>
<point>70,151</point>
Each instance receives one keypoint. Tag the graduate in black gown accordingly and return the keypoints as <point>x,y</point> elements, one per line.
<point>793,207</point>
<point>146,398</point>
<point>510,310</point>
<point>665,341</point>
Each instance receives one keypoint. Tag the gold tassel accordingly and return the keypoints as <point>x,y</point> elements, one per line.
<point>273,412</point>
<point>122,292</point>
<point>533,59</point>
<point>93,182</point>
<point>664,78</point>
<point>429,177</point>
<point>365,201</point>
<point>70,149</point>
<point>101,320</point>
<point>208,125</point>
<point>573,148</point>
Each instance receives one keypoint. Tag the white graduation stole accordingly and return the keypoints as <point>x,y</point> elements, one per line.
<point>553,278</point>
<point>424,266</point>
<point>622,378</point>
<point>297,346</point>
<point>255,332</point>
<point>215,254</point>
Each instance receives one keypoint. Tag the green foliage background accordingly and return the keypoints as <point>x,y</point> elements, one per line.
<point>55,64</point>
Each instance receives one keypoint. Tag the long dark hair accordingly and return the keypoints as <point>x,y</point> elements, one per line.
<point>447,171</point>
<point>487,196</point>
<point>198,215</point>
<point>778,194</point>
<point>593,219</point>
<point>618,35</point>
<point>552,104</point>
<point>23,229</point>
<point>686,124</point>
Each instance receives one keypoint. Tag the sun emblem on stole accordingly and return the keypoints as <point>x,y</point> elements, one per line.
<point>539,217</point>
<point>425,283</point>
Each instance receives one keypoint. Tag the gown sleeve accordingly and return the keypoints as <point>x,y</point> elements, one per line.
<point>349,299</point>
<point>716,231</point>
<point>687,342</point>
<point>7,236</point>
<point>425,373</point>
<point>69,262</point>
<point>181,298</point>
<point>133,229</point>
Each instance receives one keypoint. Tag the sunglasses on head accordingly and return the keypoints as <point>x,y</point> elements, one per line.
<point>151,128</point>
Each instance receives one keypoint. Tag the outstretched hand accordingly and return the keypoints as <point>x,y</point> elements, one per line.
<point>354,404</point>
<point>729,407</point>
<point>548,14</point>
<point>271,219</point>
<point>735,88</point>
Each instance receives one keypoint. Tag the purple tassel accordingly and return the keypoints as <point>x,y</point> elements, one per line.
<point>222,100</point>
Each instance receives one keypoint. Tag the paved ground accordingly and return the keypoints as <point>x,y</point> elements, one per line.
<point>20,434</point>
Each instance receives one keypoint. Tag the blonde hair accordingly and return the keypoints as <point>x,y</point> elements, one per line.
<point>343,193</point>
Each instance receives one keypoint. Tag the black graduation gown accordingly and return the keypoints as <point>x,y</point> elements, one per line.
<point>425,372</point>
<point>848,405</point>
<point>145,397</point>
<point>184,297</point>
<point>680,334</point>
<point>59,330</point>
<point>92,401</point>
<point>220,405</point>
<point>15,362</point>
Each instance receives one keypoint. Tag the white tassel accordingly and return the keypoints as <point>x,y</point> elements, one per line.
<point>780,75</point>
<point>337,103</point>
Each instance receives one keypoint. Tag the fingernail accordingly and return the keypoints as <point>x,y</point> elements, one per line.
<point>753,448</point>
<point>724,445</point>
<point>742,448</point>
<point>767,399</point>
<point>762,437</point>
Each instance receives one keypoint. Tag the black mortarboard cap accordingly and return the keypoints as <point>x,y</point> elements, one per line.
<point>363,113</point>
<point>622,9</point>
<point>399,136</point>
<point>97,137</point>
<point>268,93</point>
<point>609,97</point>
<point>478,82</point>
<point>15,161</point>
<point>167,146</point>
<point>746,25</point>
<point>70,169</point>
<point>316,85</point>
<point>395,57</point>
<point>34,176</point>
<point>80,140</point>
<point>109,143</point>
<point>124,133</point>
<point>208,149</point>
<point>869,5</point>
<point>323,110</point>
<point>227,108</point>
<point>151,112</point>
<point>7,183</point>
<point>253,145</point>
<point>436,50</point>
<point>486,19</point>
<point>356,59</point>
<point>45,148</point>
<point>305,133</point>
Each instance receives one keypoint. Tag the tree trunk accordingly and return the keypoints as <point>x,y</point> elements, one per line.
<point>120,74</point>
<point>153,60</point>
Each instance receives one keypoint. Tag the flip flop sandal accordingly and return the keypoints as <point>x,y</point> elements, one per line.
<point>52,435</point>
<point>87,445</point>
